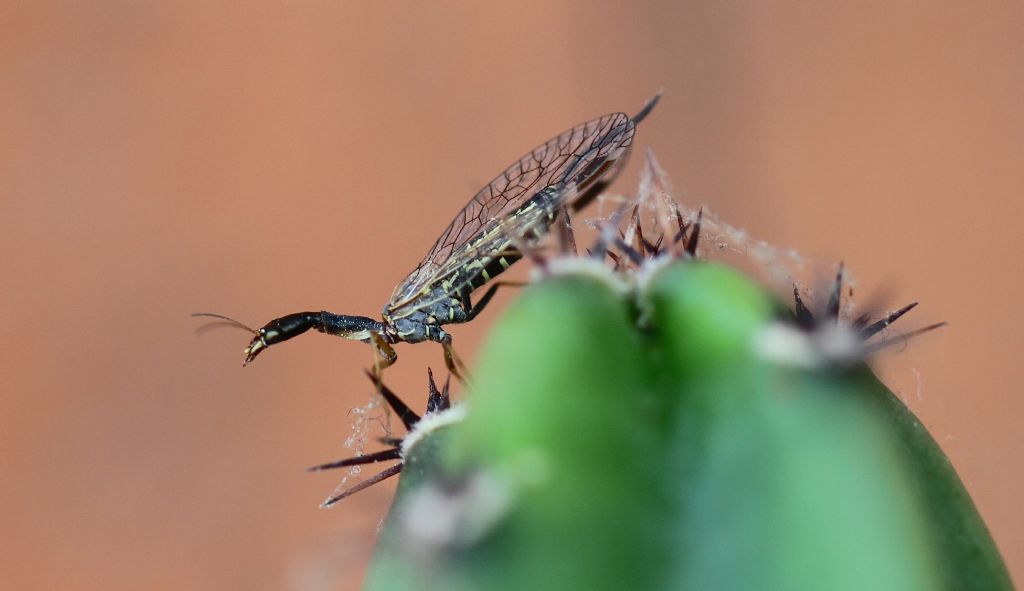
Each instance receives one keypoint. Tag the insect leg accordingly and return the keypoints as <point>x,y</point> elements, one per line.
<point>454,364</point>
<point>566,237</point>
<point>384,354</point>
<point>474,309</point>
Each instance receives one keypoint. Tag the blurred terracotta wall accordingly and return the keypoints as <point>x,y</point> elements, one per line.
<point>256,159</point>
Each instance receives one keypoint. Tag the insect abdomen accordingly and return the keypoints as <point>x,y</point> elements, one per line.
<point>493,269</point>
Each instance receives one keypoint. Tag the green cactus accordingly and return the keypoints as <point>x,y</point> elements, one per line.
<point>654,436</point>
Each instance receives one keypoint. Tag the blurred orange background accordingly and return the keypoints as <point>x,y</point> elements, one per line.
<point>256,159</point>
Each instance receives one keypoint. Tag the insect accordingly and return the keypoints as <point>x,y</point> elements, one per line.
<point>486,237</point>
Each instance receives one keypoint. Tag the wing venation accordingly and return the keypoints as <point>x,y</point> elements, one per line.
<point>563,162</point>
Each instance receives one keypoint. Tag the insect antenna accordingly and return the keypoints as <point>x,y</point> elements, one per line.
<point>224,321</point>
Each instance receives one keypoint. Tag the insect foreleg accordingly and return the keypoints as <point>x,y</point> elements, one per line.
<point>384,354</point>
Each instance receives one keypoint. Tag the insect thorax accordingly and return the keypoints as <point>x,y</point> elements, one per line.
<point>420,318</point>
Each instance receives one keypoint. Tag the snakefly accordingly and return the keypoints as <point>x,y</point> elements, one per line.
<point>512,212</point>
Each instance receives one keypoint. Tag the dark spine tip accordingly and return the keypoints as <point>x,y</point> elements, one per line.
<point>405,414</point>
<point>691,242</point>
<point>642,244</point>
<point>861,321</point>
<point>804,318</point>
<point>446,398</point>
<point>598,251</point>
<point>433,396</point>
<point>363,485</point>
<point>638,232</point>
<point>380,456</point>
<point>879,325</point>
<point>679,223</point>
<point>438,401</point>
<point>655,248</point>
<point>876,347</point>
<point>635,257</point>
<point>832,308</point>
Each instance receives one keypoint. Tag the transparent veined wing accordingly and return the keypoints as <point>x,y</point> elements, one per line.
<point>563,165</point>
